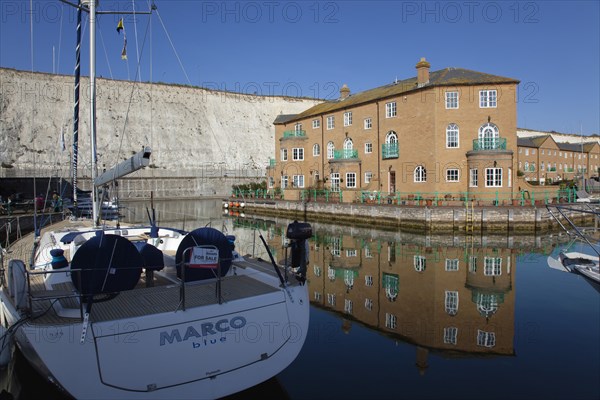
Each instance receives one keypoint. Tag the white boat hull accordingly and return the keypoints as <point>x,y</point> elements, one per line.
<point>196,351</point>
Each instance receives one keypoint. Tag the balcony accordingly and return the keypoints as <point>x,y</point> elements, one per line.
<point>489,144</point>
<point>272,163</point>
<point>551,169</point>
<point>292,134</point>
<point>345,154</point>
<point>389,150</point>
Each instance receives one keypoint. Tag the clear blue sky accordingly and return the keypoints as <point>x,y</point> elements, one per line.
<point>311,48</point>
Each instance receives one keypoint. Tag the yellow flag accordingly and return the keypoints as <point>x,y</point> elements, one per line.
<point>120,26</point>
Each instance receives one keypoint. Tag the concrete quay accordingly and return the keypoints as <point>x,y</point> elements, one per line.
<point>424,219</point>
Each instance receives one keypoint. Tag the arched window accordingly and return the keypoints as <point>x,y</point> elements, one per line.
<point>452,136</point>
<point>420,174</point>
<point>348,145</point>
<point>330,149</point>
<point>391,137</point>
<point>488,136</point>
<point>316,149</point>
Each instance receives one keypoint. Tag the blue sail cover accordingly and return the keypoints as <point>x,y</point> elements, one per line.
<point>203,237</point>
<point>106,264</point>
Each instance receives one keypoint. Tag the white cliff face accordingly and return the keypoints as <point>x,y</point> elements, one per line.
<point>188,128</point>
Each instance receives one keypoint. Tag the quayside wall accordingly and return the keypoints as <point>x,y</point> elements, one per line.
<point>525,220</point>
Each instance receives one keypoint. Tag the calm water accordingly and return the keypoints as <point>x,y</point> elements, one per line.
<point>398,315</point>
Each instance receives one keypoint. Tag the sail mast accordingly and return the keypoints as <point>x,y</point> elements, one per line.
<point>92,10</point>
<point>76,109</point>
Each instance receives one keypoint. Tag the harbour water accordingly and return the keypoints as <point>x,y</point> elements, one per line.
<point>398,315</point>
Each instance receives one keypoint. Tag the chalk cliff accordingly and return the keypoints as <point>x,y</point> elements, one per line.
<point>188,128</point>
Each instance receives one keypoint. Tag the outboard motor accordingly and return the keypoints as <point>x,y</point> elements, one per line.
<point>298,233</point>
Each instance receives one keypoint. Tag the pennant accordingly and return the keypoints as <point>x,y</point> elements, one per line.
<point>120,26</point>
<point>124,52</point>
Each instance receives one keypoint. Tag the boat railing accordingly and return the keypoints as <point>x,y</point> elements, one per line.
<point>571,228</point>
<point>201,257</point>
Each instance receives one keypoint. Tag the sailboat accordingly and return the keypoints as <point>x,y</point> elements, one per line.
<point>111,311</point>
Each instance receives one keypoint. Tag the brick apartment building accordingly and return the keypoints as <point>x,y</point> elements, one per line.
<point>447,131</point>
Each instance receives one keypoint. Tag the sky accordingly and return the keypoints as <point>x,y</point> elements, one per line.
<point>311,48</point>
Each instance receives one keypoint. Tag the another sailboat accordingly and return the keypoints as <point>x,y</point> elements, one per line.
<point>149,312</point>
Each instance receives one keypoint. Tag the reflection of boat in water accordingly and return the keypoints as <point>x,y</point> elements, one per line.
<point>586,261</point>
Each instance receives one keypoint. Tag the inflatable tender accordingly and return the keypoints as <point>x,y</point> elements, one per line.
<point>203,237</point>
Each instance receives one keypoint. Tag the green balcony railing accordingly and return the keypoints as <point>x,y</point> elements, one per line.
<point>272,163</point>
<point>289,134</point>
<point>345,154</point>
<point>489,144</point>
<point>389,150</point>
<point>568,169</point>
<point>551,169</point>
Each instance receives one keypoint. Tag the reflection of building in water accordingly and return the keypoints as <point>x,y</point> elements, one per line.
<point>450,299</point>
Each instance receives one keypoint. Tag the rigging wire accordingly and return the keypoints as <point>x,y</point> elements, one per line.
<point>139,72</point>
<point>104,47</point>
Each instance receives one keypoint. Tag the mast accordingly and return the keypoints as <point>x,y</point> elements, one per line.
<point>76,109</point>
<point>92,10</point>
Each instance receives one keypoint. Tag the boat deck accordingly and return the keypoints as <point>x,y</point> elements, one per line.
<point>142,300</point>
<point>162,296</point>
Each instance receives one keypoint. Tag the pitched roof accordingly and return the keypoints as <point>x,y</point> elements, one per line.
<point>444,77</point>
<point>533,141</point>
<point>283,118</point>
<point>569,146</point>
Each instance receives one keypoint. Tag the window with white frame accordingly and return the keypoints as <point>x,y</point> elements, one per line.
<point>452,175</point>
<point>368,177</point>
<point>316,150</point>
<point>450,335</point>
<point>298,154</point>
<point>284,181</point>
<point>473,177</point>
<point>271,182</point>
<point>391,321</point>
<point>489,136</point>
<point>420,263</point>
<point>334,178</point>
<point>348,118</point>
<point>298,127</point>
<point>316,123</point>
<point>390,109</point>
<point>473,264</point>
<point>451,100</point>
<point>298,181</point>
<point>493,177</point>
<point>391,137</point>
<point>451,264</point>
<point>451,302</point>
<point>452,136</point>
<point>486,339</point>
<point>368,280</point>
<point>369,304</point>
<point>368,123</point>
<point>420,174</point>
<point>526,152</point>
<point>330,150</point>
<point>351,180</point>
<point>330,122</point>
<point>348,144</point>
<point>488,98</point>
<point>368,148</point>
<point>492,266</point>
<point>368,253</point>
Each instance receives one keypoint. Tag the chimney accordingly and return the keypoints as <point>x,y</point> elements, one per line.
<point>422,72</point>
<point>344,92</point>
